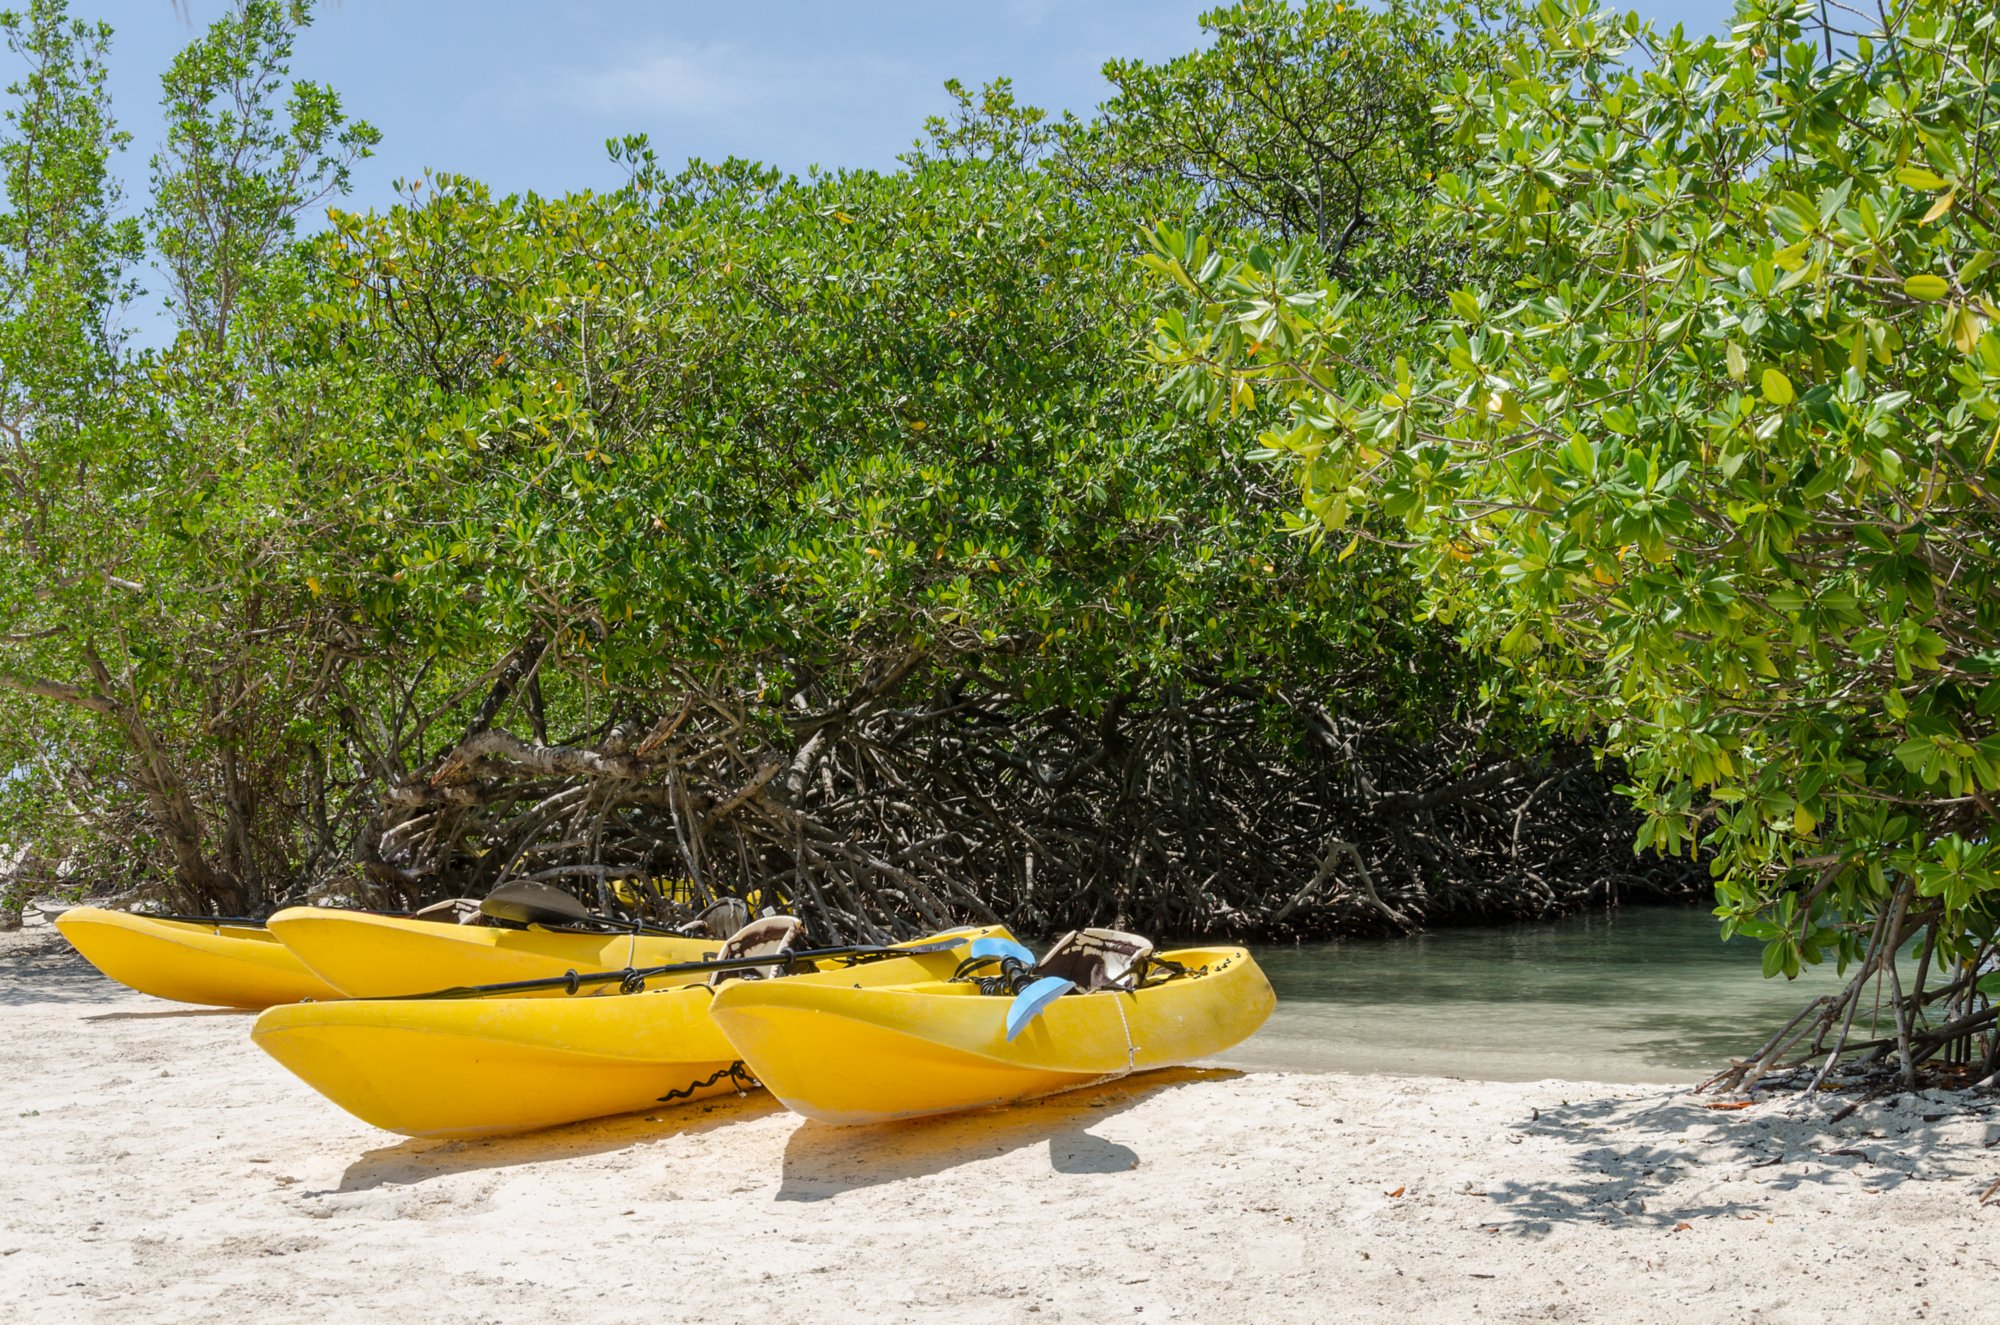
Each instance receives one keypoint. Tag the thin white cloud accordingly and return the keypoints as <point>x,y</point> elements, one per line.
<point>695,82</point>
<point>1032,12</point>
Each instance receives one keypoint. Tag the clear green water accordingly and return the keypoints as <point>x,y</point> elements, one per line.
<point>1640,994</point>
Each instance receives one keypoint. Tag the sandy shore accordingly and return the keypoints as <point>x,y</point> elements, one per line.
<point>159,1168</point>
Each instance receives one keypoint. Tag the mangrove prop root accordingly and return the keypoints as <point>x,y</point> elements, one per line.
<point>887,810</point>
<point>1954,1022</point>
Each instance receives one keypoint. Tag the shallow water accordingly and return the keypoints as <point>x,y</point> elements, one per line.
<point>1642,994</point>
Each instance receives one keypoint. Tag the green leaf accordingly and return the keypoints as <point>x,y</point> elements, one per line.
<point>1926,286</point>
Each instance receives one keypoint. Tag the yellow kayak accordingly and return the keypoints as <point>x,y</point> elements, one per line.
<point>371,956</point>
<point>476,1066</point>
<point>223,965</point>
<point>843,1054</point>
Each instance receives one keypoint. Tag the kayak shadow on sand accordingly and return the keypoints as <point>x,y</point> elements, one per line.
<point>822,1161</point>
<point>170,1013</point>
<point>418,1160</point>
<point>50,971</point>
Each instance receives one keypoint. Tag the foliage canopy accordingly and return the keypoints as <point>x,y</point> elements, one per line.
<point>1712,474</point>
<point>820,538</point>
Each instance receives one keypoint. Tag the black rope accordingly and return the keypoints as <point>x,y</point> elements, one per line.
<point>736,1072</point>
<point>598,925</point>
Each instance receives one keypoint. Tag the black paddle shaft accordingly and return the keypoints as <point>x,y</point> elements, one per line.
<point>636,977</point>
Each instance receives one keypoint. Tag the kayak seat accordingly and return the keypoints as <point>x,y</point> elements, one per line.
<point>720,919</point>
<point>524,902</point>
<point>452,911</point>
<point>1097,959</point>
<point>770,936</point>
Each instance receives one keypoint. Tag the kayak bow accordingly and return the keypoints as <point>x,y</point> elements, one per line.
<point>190,961</point>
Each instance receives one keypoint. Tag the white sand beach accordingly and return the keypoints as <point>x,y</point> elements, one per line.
<point>160,1168</point>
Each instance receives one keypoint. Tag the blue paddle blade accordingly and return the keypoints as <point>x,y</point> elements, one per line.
<point>992,946</point>
<point>1028,1004</point>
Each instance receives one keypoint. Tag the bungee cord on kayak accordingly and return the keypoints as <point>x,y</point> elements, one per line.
<point>735,1072</point>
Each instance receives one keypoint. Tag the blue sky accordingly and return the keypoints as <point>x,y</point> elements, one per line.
<point>522,94</point>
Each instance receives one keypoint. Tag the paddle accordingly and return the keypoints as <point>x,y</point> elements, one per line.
<point>636,977</point>
<point>992,945</point>
<point>1028,1004</point>
<point>1018,962</point>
